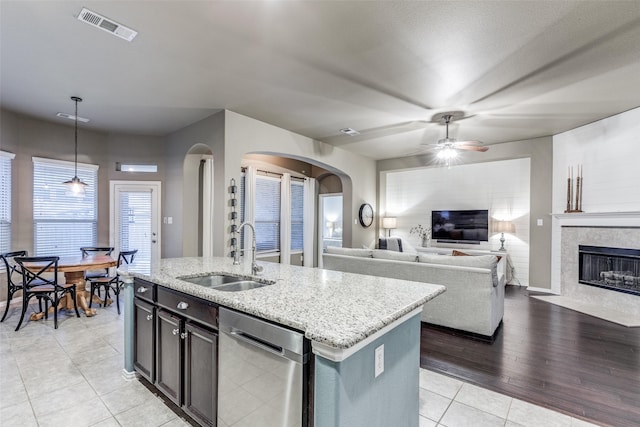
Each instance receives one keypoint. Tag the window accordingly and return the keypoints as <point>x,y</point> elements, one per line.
<point>62,221</point>
<point>5,201</point>
<point>267,214</point>
<point>135,227</point>
<point>297,216</point>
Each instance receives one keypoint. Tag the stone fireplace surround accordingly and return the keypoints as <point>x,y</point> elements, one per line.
<point>614,229</point>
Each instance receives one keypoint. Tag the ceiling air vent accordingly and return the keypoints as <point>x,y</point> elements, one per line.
<point>350,131</point>
<point>106,24</point>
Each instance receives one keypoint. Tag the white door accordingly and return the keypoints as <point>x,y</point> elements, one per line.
<point>135,221</point>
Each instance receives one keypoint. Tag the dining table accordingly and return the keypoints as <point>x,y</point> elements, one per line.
<point>74,268</point>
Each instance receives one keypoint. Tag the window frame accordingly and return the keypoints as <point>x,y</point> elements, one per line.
<point>6,195</point>
<point>58,197</point>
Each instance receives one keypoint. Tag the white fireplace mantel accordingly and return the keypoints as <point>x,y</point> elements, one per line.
<point>582,219</point>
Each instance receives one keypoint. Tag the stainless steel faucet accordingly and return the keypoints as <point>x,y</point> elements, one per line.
<point>255,268</point>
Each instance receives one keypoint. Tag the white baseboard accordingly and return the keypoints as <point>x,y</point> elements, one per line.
<point>129,376</point>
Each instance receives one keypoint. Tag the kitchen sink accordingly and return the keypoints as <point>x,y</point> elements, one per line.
<point>211,280</point>
<point>222,282</point>
<point>242,285</point>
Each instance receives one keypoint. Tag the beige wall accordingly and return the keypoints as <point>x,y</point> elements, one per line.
<point>245,135</point>
<point>540,152</point>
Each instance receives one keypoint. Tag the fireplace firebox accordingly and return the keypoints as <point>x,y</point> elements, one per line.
<point>617,269</point>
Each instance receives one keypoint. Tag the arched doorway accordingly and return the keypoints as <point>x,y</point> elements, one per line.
<point>275,167</point>
<point>198,201</point>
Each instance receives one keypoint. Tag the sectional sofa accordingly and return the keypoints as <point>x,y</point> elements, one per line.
<point>473,301</point>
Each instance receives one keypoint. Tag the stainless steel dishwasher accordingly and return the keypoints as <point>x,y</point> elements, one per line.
<point>263,373</point>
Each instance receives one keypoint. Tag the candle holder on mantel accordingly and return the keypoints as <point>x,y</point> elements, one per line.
<point>574,199</point>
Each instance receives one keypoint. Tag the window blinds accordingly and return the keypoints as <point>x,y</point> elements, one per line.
<point>267,214</point>
<point>135,227</point>
<point>297,216</point>
<point>5,201</point>
<point>63,222</point>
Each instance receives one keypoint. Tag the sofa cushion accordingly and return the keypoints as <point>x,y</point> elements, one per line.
<point>480,261</point>
<point>395,256</point>
<point>349,251</point>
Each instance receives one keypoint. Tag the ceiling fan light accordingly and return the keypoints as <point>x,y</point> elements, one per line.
<point>447,153</point>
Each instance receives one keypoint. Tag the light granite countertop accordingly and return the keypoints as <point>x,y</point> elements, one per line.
<point>333,308</point>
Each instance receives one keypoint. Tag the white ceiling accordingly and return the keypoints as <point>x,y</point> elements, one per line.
<point>521,69</point>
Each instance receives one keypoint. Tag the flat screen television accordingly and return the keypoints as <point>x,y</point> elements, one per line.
<point>463,226</point>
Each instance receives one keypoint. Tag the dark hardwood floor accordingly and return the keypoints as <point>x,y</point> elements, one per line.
<point>550,356</point>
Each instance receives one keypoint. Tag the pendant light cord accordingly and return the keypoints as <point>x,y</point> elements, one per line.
<point>76,139</point>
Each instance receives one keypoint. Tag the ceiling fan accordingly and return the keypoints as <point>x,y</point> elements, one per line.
<point>447,148</point>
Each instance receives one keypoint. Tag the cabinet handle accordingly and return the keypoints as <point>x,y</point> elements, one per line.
<point>149,316</point>
<point>182,305</point>
<point>183,335</point>
<point>142,289</point>
<point>175,331</point>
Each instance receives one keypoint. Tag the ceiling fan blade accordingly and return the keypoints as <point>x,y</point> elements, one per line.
<point>472,148</point>
<point>469,142</point>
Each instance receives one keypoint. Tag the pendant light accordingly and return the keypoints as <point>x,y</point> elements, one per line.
<point>75,185</point>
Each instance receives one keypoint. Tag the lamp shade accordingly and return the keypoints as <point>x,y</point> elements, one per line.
<point>389,222</point>
<point>504,227</point>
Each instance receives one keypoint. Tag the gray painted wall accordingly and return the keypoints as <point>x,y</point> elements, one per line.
<point>540,151</point>
<point>27,137</point>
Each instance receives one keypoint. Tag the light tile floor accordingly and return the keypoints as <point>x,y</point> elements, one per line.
<point>72,376</point>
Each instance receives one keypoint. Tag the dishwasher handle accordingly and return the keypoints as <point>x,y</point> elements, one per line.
<point>257,342</point>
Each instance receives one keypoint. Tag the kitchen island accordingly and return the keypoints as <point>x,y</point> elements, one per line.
<point>345,317</point>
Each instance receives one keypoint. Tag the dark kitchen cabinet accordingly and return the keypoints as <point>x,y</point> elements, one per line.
<point>144,335</point>
<point>200,373</point>
<point>187,353</point>
<point>169,355</point>
<point>144,339</point>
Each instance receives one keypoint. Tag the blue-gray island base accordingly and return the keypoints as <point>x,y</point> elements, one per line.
<point>346,317</point>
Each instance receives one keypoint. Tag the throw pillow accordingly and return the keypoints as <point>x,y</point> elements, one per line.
<point>390,244</point>
<point>459,253</point>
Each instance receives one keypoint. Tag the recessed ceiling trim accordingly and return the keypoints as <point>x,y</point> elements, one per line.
<point>96,20</point>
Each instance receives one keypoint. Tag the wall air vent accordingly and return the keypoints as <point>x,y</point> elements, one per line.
<point>106,24</point>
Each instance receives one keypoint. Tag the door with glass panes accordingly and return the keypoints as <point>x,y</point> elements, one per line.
<point>135,221</point>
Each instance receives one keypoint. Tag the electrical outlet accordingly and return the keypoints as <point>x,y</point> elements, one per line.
<point>379,363</point>
<point>540,222</point>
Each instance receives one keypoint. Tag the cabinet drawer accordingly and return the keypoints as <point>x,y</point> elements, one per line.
<point>203,311</point>
<point>144,290</point>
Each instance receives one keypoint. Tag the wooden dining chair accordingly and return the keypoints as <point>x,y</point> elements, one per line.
<point>96,250</point>
<point>112,283</point>
<point>14,276</point>
<point>40,280</point>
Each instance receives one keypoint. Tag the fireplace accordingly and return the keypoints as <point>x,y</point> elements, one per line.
<point>617,269</point>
